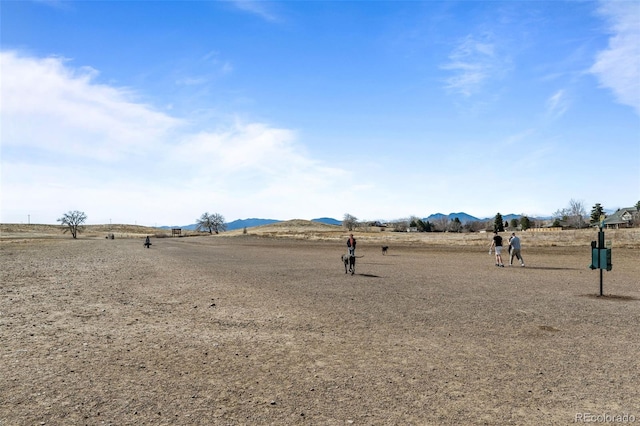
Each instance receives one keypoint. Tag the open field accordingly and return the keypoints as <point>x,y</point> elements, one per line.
<point>266,328</point>
<point>10,231</point>
<point>314,231</point>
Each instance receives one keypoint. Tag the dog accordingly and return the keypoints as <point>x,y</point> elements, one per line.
<point>384,249</point>
<point>349,263</point>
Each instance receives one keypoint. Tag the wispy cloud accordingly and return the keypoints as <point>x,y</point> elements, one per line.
<point>192,81</point>
<point>618,66</point>
<point>210,67</point>
<point>519,138</point>
<point>473,62</point>
<point>57,4</point>
<point>557,104</point>
<point>259,8</point>
<point>216,63</point>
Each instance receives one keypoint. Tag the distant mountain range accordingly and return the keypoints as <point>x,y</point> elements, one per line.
<point>253,222</point>
<point>463,217</point>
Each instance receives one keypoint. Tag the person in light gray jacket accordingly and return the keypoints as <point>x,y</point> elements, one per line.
<point>514,245</point>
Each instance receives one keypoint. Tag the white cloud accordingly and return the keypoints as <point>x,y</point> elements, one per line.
<point>473,62</point>
<point>70,143</point>
<point>51,107</point>
<point>618,66</point>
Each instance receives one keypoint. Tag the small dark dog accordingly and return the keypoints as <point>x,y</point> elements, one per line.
<point>349,263</point>
<point>384,249</point>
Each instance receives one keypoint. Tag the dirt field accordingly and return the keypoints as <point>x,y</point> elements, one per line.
<point>238,330</point>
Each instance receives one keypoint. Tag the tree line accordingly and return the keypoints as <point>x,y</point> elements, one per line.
<point>573,216</point>
<point>73,221</point>
<point>442,224</point>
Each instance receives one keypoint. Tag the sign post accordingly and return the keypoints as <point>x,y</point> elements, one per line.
<point>601,254</point>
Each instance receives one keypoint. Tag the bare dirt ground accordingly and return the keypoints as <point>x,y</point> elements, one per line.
<point>237,330</point>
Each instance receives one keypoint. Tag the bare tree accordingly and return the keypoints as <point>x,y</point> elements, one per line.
<point>219,224</point>
<point>559,216</point>
<point>350,222</point>
<point>577,213</point>
<point>442,223</point>
<point>211,222</point>
<point>400,225</point>
<point>475,226</point>
<point>72,222</point>
<point>455,225</point>
<point>573,215</point>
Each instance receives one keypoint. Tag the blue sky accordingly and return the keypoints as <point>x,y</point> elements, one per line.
<point>154,112</point>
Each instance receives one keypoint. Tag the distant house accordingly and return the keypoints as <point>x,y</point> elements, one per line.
<point>378,224</point>
<point>623,218</point>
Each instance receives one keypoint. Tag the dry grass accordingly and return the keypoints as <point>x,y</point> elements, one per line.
<point>11,231</point>
<point>314,231</point>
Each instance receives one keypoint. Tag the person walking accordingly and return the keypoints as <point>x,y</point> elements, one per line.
<point>496,245</point>
<point>510,238</point>
<point>514,242</point>
<point>351,245</point>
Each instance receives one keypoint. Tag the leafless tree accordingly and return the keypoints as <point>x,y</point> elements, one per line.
<point>577,213</point>
<point>72,222</point>
<point>211,222</point>
<point>400,225</point>
<point>442,223</point>
<point>455,225</point>
<point>475,226</point>
<point>350,222</point>
<point>573,215</point>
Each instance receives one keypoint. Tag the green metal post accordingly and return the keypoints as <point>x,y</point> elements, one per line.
<point>601,247</point>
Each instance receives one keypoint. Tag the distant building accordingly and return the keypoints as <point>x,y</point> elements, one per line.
<point>378,224</point>
<point>623,218</point>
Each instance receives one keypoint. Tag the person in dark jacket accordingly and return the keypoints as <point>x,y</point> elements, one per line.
<point>497,245</point>
<point>351,245</point>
